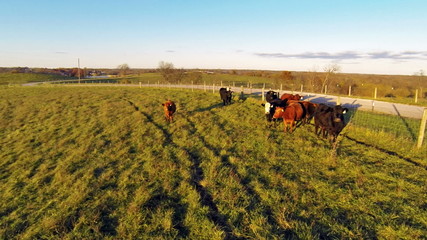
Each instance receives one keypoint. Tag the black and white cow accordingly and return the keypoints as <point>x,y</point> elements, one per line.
<point>226,95</point>
<point>329,120</point>
<point>270,107</point>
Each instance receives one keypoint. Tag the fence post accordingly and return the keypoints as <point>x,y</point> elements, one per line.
<point>262,94</point>
<point>349,90</point>
<point>281,87</point>
<point>302,87</point>
<point>140,85</point>
<point>373,105</point>
<point>416,95</point>
<point>213,88</point>
<point>422,129</point>
<point>204,85</point>
<point>192,86</point>
<point>326,89</point>
<point>338,100</point>
<point>375,93</point>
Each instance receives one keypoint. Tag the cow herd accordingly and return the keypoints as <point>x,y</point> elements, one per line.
<point>328,121</point>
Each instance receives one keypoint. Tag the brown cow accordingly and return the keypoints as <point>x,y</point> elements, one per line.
<point>309,109</point>
<point>169,107</point>
<point>291,96</point>
<point>290,114</point>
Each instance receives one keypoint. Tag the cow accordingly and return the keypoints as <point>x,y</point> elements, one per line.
<point>169,108</point>
<point>309,110</point>
<point>291,96</point>
<point>270,107</point>
<point>291,114</point>
<point>271,95</point>
<point>226,95</point>
<point>329,121</point>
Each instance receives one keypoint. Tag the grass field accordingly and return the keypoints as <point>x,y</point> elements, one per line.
<point>101,162</point>
<point>20,78</point>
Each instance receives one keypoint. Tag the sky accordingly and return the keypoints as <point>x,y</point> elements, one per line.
<point>361,36</point>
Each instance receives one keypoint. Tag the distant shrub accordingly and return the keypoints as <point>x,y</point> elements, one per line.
<point>389,95</point>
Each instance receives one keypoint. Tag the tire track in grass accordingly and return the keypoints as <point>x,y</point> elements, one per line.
<point>196,177</point>
<point>286,233</point>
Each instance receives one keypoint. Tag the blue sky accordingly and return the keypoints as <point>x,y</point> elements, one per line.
<point>382,37</point>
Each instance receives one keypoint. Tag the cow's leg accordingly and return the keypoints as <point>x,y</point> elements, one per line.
<point>317,130</point>
<point>285,126</point>
<point>292,124</point>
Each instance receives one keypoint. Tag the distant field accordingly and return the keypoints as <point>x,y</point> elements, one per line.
<point>227,80</point>
<point>20,78</point>
<point>102,163</point>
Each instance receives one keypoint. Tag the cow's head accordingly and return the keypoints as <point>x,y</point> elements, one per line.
<point>338,113</point>
<point>268,110</point>
<point>278,112</point>
<point>168,105</point>
<point>297,97</point>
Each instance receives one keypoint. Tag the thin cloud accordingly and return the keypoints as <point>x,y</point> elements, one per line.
<point>350,55</point>
<point>59,52</point>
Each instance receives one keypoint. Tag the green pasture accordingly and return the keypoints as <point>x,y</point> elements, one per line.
<point>102,163</point>
<point>20,78</point>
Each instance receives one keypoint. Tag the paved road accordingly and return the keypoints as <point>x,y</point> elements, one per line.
<point>403,110</point>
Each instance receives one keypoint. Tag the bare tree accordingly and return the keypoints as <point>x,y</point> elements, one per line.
<point>170,73</point>
<point>329,70</point>
<point>314,81</point>
<point>123,68</point>
<point>421,76</point>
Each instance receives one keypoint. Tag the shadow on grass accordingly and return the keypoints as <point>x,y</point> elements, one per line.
<point>388,152</point>
<point>196,177</point>
<point>159,198</point>
<point>413,136</point>
<point>244,182</point>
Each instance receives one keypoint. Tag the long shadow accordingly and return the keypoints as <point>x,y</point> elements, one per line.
<point>196,177</point>
<point>180,209</point>
<point>207,108</point>
<point>387,152</point>
<point>244,182</point>
<point>325,100</point>
<point>405,123</point>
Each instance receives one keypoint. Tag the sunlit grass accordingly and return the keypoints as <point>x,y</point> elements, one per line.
<point>92,163</point>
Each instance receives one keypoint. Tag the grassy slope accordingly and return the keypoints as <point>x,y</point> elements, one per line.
<point>103,163</point>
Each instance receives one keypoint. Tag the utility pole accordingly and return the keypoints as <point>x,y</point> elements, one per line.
<point>78,69</point>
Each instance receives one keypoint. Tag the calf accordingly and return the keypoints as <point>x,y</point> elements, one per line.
<point>226,95</point>
<point>169,108</point>
<point>291,96</point>
<point>329,121</point>
<point>291,114</point>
